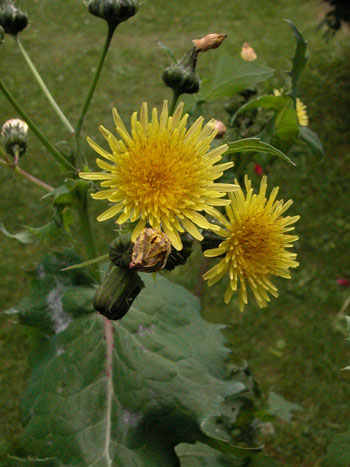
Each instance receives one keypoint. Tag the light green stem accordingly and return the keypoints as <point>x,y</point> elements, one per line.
<point>92,90</point>
<point>176,96</point>
<point>57,155</point>
<point>88,237</point>
<point>44,87</point>
<point>28,176</point>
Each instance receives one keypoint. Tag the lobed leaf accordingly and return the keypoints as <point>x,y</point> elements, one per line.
<point>299,59</point>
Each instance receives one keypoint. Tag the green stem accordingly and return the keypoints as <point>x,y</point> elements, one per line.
<point>28,176</point>
<point>44,87</point>
<point>176,96</point>
<point>57,155</point>
<point>88,237</point>
<point>92,89</point>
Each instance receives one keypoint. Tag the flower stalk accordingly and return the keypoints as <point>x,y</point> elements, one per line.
<point>43,86</point>
<point>56,154</point>
<point>26,175</point>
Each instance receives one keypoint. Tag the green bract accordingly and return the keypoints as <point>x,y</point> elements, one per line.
<point>113,11</point>
<point>12,19</point>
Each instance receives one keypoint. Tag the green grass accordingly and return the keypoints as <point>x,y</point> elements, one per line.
<point>64,41</point>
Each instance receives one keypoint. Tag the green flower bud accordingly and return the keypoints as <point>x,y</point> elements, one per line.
<point>181,76</point>
<point>151,251</point>
<point>14,132</point>
<point>113,11</point>
<point>120,251</point>
<point>177,258</point>
<point>118,290</point>
<point>12,19</point>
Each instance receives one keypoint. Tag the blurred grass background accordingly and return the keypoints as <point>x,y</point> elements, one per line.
<point>292,346</point>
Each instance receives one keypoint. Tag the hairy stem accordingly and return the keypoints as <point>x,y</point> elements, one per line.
<point>44,87</point>
<point>108,331</point>
<point>92,90</point>
<point>26,175</point>
<point>176,96</point>
<point>56,154</point>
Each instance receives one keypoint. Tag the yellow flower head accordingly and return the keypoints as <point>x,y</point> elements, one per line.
<point>254,245</point>
<point>162,173</point>
<point>303,119</point>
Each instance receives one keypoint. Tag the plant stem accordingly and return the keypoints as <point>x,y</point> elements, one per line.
<point>28,176</point>
<point>88,237</point>
<point>57,155</point>
<point>44,87</point>
<point>92,89</point>
<point>176,96</point>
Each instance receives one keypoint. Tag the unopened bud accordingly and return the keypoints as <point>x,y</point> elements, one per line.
<point>120,251</point>
<point>12,19</point>
<point>220,128</point>
<point>211,41</point>
<point>151,251</point>
<point>14,132</point>
<point>118,290</point>
<point>248,53</point>
<point>181,76</point>
<point>178,258</point>
<point>113,11</point>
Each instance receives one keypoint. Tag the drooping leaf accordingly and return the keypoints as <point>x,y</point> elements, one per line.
<point>32,234</point>
<point>300,57</point>
<point>338,452</point>
<point>285,125</point>
<point>231,76</point>
<point>34,462</point>
<point>281,408</point>
<point>127,398</point>
<point>312,140</point>
<point>87,263</point>
<point>255,145</point>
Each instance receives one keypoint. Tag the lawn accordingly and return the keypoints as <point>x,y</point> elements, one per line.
<point>293,347</point>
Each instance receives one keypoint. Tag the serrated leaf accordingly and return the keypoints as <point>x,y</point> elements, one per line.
<point>231,76</point>
<point>285,125</point>
<point>256,145</point>
<point>281,408</point>
<point>338,452</point>
<point>156,383</point>
<point>32,234</point>
<point>299,59</point>
<point>312,140</point>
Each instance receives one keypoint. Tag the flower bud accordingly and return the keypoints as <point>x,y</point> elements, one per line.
<point>181,76</point>
<point>177,258</point>
<point>258,170</point>
<point>221,129</point>
<point>120,251</point>
<point>151,251</point>
<point>12,19</point>
<point>113,11</point>
<point>117,292</point>
<point>248,53</point>
<point>14,132</point>
<point>211,41</point>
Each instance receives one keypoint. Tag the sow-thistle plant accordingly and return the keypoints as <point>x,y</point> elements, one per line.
<point>169,184</point>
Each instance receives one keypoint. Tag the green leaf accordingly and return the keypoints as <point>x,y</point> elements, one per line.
<point>338,452</point>
<point>300,58</point>
<point>17,462</point>
<point>87,263</point>
<point>231,76</point>
<point>312,140</point>
<point>130,397</point>
<point>255,145</point>
<point>32,234</point>
<point>281,408</point>
<point>285,127</point>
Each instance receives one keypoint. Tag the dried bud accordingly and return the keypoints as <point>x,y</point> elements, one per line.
<point>113,11</point>
<point>221,129</point>
<point>12,19</point>
<point>2,34</point>
<point>14,132</point>
<point>211,41</point>
<point>248,53</point>
<point>181,76</point>
<point>151,251</point>
<point>118,290</point>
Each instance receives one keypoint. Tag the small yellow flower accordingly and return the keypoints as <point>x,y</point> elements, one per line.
<point>303,119</point>
<point>248,53</point>
<point>162,174</point>
<point>254,246</point>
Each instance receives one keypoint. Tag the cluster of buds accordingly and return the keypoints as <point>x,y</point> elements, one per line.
<point>12,19</point>
<point>113,11</point>
<point>151,252</point>
<point>14,133</point>
<point>181,75</point>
